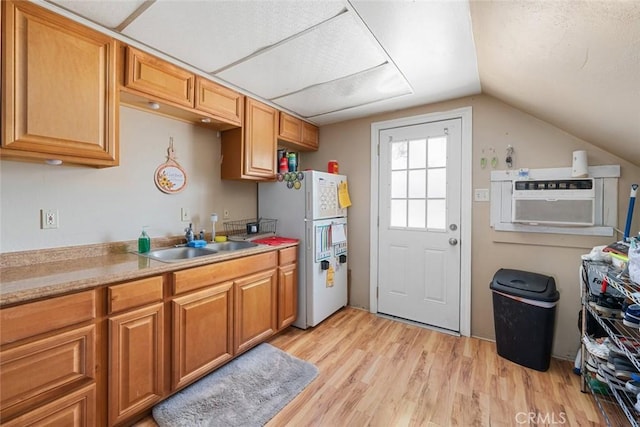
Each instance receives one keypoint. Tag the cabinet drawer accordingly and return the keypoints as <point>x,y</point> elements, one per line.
<point>195,278</point>
<point>34,318</point>
<point>31,370</point>
<point>77,409</point>
<point>134,294</point>
<point>159,78</point>
<point>288,255</point>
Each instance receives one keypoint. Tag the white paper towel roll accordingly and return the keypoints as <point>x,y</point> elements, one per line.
<point>580,167</point>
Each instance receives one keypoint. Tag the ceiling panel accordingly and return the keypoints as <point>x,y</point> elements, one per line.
<point>376,84</point>
<point>109,14</point>
<point>212,34</point>
<point>335,49</point>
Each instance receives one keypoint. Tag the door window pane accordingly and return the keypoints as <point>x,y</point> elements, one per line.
<point>416,213</point>
<point>398,184</point>
<point>418,154</point>
<point>436,214</point>
<point>437,183</point>
<point>438,152</point>
<point>398,155</point>
<point>398,213</point>
<point>417,184</point>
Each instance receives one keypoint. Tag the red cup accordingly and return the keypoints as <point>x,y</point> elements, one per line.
<point>332,166</point>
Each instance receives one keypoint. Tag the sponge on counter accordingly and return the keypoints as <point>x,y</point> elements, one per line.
<point>197,244</point>
<point>220,238</point>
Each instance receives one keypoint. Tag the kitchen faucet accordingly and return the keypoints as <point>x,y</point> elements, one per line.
<point>188,233</point>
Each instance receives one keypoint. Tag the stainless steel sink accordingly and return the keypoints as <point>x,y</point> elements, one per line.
<point>231,246</point>
<point>178,254</point>
<point>184,252</point>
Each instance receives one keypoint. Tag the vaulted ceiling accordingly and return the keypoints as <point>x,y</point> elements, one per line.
<point>574,64</point>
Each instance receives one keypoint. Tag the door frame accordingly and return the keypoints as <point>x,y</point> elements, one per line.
<point>465,114</point>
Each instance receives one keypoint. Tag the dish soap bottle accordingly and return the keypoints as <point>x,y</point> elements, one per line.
<point>144,242</point>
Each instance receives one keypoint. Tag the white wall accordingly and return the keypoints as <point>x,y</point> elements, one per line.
<point>112,204</point>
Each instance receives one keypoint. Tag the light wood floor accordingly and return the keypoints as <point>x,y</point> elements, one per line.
<point>378,372</point>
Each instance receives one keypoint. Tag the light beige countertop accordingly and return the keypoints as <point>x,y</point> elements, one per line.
<point>32,275</point>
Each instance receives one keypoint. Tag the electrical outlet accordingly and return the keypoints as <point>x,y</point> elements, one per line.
<point>226,214</point>
<point>48,218</point>
<point>481,195</point>
<point>185,215</point>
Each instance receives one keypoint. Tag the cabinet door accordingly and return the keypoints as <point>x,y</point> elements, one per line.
<point>310,136</point>
<point>135,361</point>
<point>261,122</point>
<point>158,78</point>
<point>202,332</point>
<point>219,101</point>
<point>287,295</point>
<point>76,409</point>
<point>60,98</point>
<point>255,309</point>
<point>290,128</point>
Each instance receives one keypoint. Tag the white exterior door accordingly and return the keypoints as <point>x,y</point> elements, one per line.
<point>419,223</point>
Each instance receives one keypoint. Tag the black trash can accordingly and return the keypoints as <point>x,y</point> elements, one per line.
<point>524,312</point>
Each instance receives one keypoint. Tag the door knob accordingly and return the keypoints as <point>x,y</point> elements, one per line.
<point>453,241</point>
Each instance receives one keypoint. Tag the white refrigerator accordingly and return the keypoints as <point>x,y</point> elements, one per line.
<point>310,211</point>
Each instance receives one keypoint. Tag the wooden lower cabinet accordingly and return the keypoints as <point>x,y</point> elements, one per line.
<point>287,286</point>
<point>202,332</point>
<point>47,353</point>
<point>256,305</point>
<point>136,361</point>
<point>106,356</point>
<point>76,409</point>
<point>287,295</point>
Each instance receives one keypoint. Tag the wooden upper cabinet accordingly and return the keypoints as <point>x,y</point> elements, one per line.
<point>219,101</point>
<point>250,152</point>
<point>290,128</point>
<point>297,134</point>
<point>310,136</point>
<point>159,78</point>
<point>60,98</point>
<point>177,92</point>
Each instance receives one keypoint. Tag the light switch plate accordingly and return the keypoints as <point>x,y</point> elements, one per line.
<point>481,195</point>
<point>185,215</point>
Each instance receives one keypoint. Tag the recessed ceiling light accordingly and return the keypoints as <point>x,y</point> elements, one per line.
<point>53,162</point>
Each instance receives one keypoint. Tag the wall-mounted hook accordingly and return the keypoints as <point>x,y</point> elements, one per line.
<point>509,158</point>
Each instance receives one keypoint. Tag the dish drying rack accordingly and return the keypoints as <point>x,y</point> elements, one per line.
<point>238,230</point>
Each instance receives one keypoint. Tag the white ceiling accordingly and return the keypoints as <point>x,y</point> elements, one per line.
<point>575,64</point>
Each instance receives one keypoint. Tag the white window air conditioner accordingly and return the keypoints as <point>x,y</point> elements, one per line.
<point>562,202</point>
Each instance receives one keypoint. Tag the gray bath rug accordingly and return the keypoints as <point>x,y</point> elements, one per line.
<point>248,391</point>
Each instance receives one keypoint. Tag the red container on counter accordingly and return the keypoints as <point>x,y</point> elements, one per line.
<point>332,166</point>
